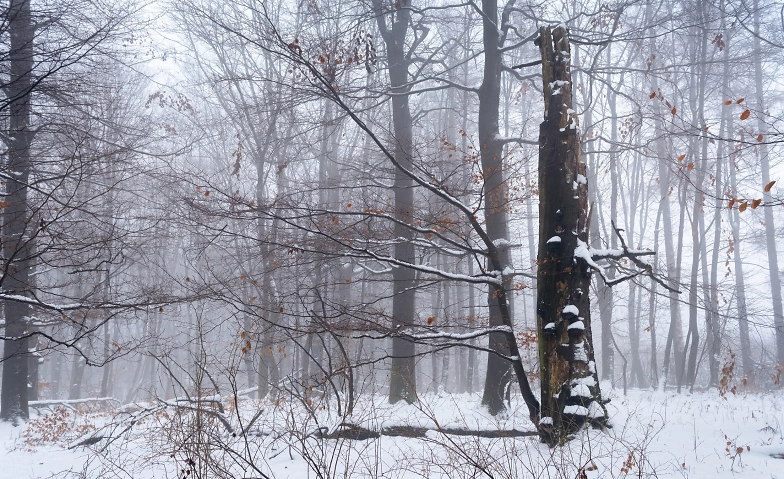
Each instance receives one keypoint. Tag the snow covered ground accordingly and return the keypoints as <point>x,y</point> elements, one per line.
<point>654,434</point>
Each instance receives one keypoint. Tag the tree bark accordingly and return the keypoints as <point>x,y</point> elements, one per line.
<point>569,385</point>
<point>17,246</point>
<point>495,193</point>
<point>402,384</point>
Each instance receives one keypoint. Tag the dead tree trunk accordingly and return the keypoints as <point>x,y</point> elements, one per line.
<point>570,389</point>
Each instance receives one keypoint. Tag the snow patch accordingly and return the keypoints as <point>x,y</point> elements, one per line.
<point>595,410</point>
<point>579,352</point>
<point>587,381</point>
<point>571,309</point>
<point>581,390</point>
<point>576,325</point>
<point>576,410</point>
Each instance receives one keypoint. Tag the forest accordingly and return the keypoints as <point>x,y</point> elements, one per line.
<point>400,239</point>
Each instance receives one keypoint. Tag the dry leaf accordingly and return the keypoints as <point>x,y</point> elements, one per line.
<point>743,207</point>
<point>745,114</point>
<point>652,95</point>
<point>739,100</point>
<point>431,320</point>
<point>681,158</point>
<point>759,138</point>
<point>769,186</point>
<point>690,167</point>
<point>674,111</point>
<point>728,102</point>
<point>731,203</point>
<point>755,203</point>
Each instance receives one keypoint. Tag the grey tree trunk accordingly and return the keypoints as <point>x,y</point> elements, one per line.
<point>17,246</point>
<point>402,384</point>
<point>697,79</point>
<point>770,225</point>
<point>747,365</point>
<point>495,194</point>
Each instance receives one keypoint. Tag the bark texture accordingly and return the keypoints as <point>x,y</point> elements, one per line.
<point>402,384</point>
<point>17,247</point>
<point>569,385</point>
<point>496,195</point>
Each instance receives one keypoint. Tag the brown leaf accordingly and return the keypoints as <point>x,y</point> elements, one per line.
<point>739,100</point>
<point>431,320</point>
<point>731,203</point>
<point>742,207</point>
<point>745,114</point>
<point>755,203</point>
<point>728,102</point>
<point>682,157</point>
<point>674,111</point>
<point>690,167</point>
<point>652,95</point>
<point>759,138</point>
<point>769,186</point>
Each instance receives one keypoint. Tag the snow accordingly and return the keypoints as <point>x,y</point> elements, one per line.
<point>595,410</point>
<point>577,325</point>
<point>549,326</point>
<point>586,381</point>
<point>554,239</point>
<point>668,435</point>
<point>455,336</point>
<point>586,254</point>
<point>579,352</point>
<point>576,410</point>
<point>581,390</point>
<point>582,179</point>
<point>33,301</point>
<point>571,309</point>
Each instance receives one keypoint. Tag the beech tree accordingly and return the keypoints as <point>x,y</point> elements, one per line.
<point>18,248</point>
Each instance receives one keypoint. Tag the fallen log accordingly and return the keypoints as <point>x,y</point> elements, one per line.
<point>358,433</point>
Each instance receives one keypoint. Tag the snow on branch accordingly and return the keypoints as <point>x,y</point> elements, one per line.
<point>590,256</point>
<point>36,302</point>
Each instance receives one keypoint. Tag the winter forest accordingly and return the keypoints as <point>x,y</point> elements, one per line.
<point>398,239</point>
